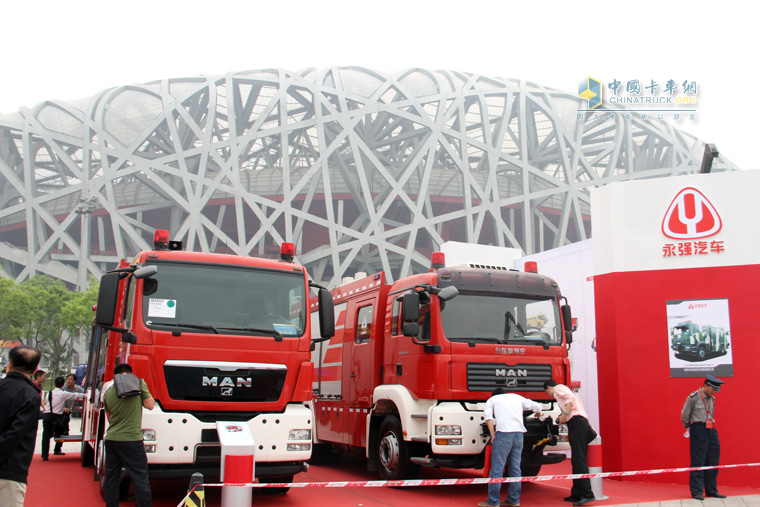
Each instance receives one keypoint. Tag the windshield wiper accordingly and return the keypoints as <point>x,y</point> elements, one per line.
<point>273,332</point>
<point>507,317</point>
<point>191,326</point>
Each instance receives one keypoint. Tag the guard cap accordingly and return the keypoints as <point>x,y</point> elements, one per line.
<point>713,382</point>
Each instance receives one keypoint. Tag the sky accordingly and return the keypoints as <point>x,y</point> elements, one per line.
<point>71,50</point>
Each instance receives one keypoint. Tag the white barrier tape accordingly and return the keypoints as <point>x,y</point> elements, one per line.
<point>477,480</point>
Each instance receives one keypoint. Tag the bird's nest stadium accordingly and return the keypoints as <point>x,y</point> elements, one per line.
<point>362,170</point>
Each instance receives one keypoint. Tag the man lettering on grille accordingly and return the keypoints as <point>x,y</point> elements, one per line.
<point>124,442</point>
<point>698,415</point>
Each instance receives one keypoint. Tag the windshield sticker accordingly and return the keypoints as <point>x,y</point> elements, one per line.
<point>166,308</point>
<point>286,329</point>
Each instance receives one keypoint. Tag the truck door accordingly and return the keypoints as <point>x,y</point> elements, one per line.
<point>328,359</point>
<point>359,356</point>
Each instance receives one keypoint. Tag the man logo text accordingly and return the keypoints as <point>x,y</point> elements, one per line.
<point>503,372</point>
<point>227,382</point>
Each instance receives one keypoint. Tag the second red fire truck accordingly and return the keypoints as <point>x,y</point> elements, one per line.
<point>407,374</point>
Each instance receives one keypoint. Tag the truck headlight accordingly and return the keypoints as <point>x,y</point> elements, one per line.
<point>299,447</point>
<point>299,435</point>
<point>149,435</point>
<point>150,448</point>
<point>448,429</point>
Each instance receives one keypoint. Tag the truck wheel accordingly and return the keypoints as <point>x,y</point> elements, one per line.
<point>393,452</point>
<point>124,485</point>
<point>87,455</point>
<point>275,491</point>
<point>701,354</point>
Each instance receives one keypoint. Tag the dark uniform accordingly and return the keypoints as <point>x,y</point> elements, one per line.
<point>698,415</point>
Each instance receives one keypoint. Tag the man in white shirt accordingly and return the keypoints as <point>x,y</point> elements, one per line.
<point>54,409</point>
<point>504,417</point>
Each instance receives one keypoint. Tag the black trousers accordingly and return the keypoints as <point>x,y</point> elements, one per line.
<point>47,434</point>
<point>705,452</point>
<point>130,455</point>
<point>579,431</point>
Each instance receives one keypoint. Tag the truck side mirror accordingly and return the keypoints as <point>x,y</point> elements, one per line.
<point>105,313</point>
<point>448,293</point>
<point>411,307</point>
<point>145,272</point>
<point>567,318</point>
<point>326,314</point>
<point>410,314</point>
<point>128,337</point>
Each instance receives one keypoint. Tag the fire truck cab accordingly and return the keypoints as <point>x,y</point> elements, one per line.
<point>215,337</point>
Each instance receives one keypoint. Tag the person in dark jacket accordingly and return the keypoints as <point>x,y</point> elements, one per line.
<point>19,413</point>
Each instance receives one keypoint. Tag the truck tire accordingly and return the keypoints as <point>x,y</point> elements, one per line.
<point>100,474</point>
<point>701,354</point>
<point>393,452</point>
<point>87,455</point>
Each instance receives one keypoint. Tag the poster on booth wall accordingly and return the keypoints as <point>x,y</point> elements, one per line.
<point>699,338</point>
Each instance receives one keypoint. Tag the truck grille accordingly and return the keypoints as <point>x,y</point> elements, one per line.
<point>195,382</point>
<point>514,378</point>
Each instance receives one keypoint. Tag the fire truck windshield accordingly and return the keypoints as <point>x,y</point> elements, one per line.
<point>226,299</point>
<point>498,318</point>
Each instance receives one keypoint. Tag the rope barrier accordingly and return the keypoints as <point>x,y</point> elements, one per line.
<point>468,481</point>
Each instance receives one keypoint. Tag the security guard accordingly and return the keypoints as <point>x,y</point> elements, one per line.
<point>698,415</point>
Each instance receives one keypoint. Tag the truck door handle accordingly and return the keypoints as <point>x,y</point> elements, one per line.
<point>352,375</point>
<point>399,370</point>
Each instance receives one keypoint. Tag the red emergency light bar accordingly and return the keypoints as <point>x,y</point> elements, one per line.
<point>438,260</point>
<point>161,239</point>
<point>287,252</point>
<point>531,267</point>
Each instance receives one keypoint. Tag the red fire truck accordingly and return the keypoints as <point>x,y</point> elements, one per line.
<point>215,337</point>
<point>407,374</point>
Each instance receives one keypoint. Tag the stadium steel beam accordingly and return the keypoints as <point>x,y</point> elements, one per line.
<point>363,170</point>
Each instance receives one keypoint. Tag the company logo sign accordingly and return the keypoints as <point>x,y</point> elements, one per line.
<point>655,98</point>
<point>691,216</point>
<point>591,90</point>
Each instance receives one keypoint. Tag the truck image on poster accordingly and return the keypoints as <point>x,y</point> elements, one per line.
<point>699,337</point>
<point>691,341</point>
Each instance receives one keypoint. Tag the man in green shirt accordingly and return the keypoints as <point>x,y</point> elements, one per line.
<point>124,442</point>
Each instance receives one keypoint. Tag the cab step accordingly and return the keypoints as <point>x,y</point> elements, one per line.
<point>69,438</point>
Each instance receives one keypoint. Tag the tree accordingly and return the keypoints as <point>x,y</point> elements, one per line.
<point>44,313</point>
<point>15,310</point>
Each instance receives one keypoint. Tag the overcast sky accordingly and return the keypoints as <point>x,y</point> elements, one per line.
<point>70,50</point>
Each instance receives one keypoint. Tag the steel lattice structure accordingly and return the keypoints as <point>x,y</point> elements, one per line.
<point>364,171</point>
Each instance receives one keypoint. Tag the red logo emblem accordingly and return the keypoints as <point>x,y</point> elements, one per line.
<point>690,216</point>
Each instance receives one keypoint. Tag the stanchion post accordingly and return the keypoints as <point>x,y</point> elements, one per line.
<point>237,463</point>
<point>594,459</point>
<point>196,496</point>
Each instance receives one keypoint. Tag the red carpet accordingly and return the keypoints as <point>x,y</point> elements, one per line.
<point>62,482</point>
